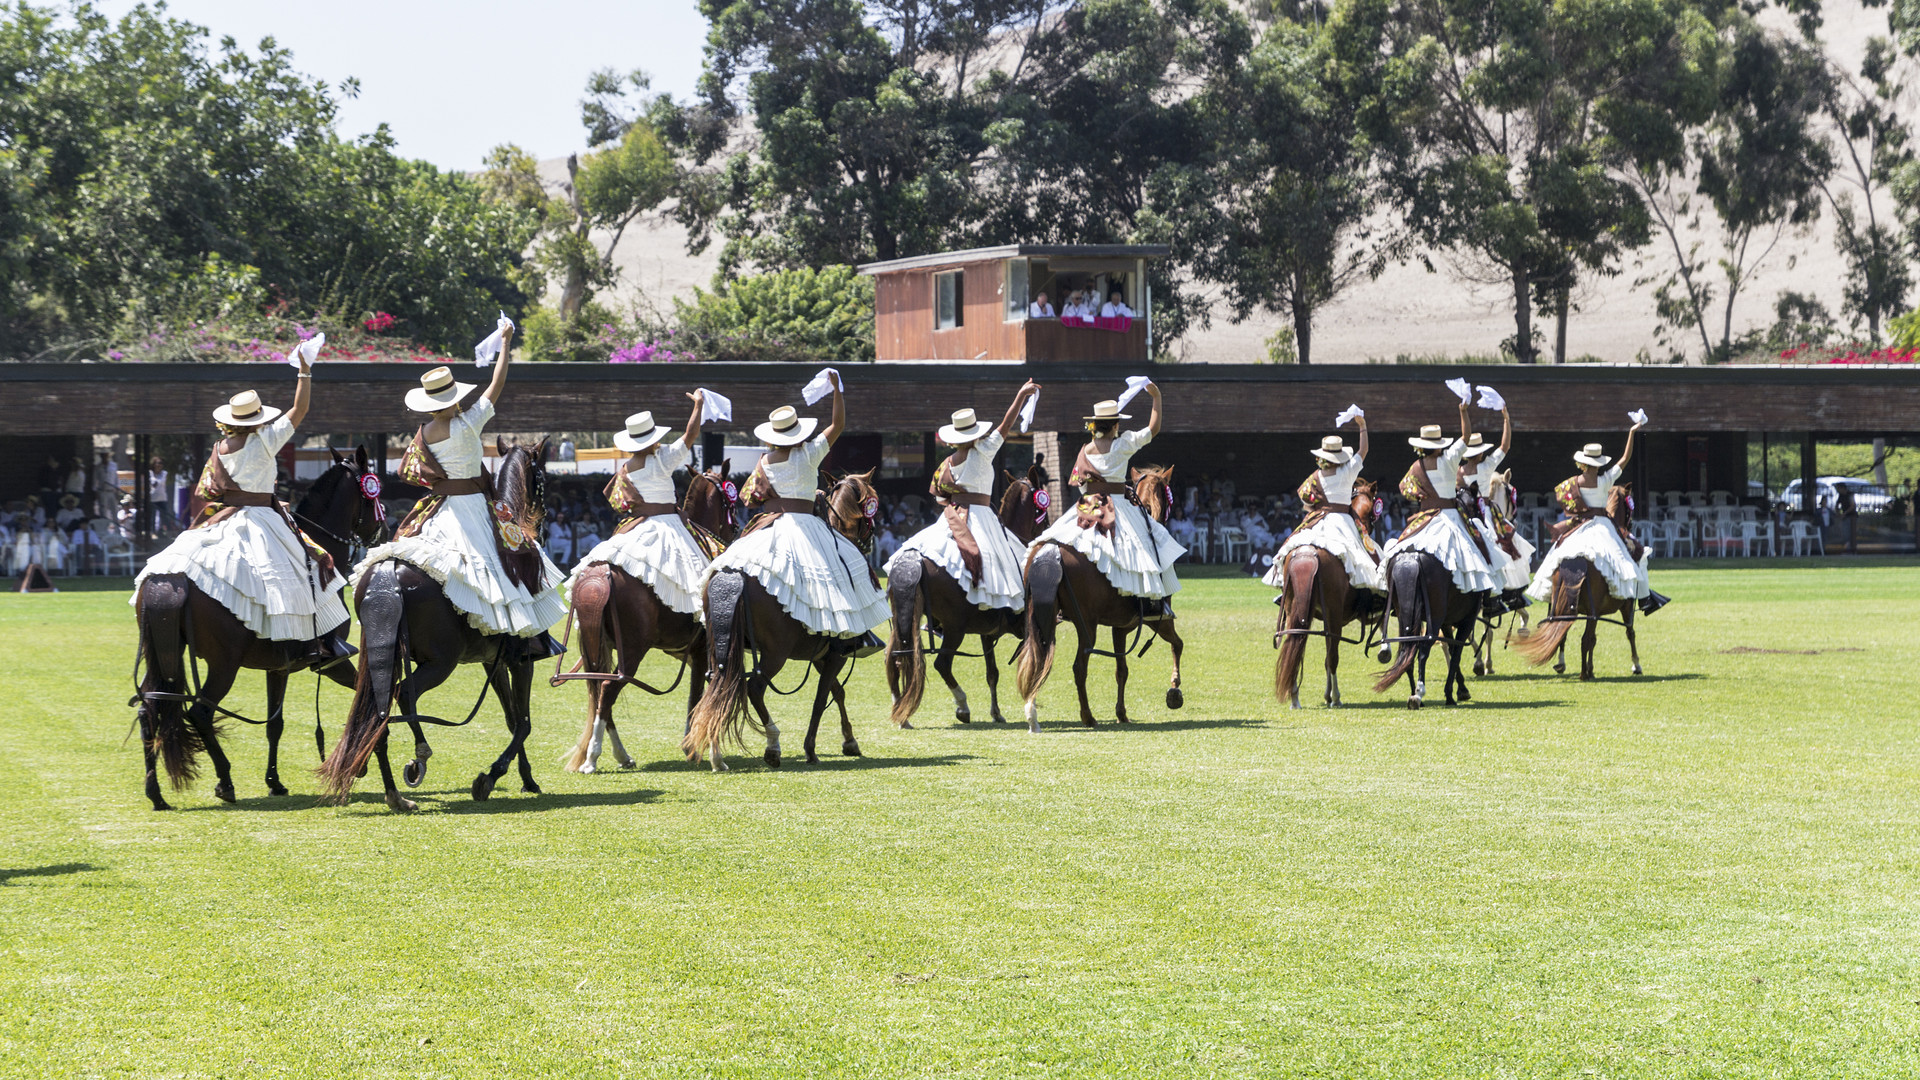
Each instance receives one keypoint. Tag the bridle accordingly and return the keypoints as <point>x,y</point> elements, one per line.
<point>368,486</point>
<point>857,528</point>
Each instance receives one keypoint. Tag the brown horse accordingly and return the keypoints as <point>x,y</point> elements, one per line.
<point>919,586</point>
<point>177,722</point>
<point>743,616</point>
<point>620,615</point>
<point>1580,591</point>
<point>1316,583</point>
<point>1060,581</point>
<point>406,618</point>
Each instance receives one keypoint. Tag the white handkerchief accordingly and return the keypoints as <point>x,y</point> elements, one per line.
<point>714,407</point>
<point>308,350</point>
<point>1135,384</point>
<point>1638,416</point>
<point>484,352</point>
<point>1351,413</point>
<point>1026,411</point>
<point>1491,399</point>
<point>1461,388</point>
<point>820,387</point>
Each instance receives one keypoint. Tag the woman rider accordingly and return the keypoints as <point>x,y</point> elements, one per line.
<point>1595,538</point>
<point>1329,524</point>
<point>653,543</point>
<point>1509,555</point>
<point>1436,527</point>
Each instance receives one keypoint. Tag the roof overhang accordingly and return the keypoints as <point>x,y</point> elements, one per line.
<point>1017,251</point>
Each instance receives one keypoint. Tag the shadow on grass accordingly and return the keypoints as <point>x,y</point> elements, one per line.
<point>795,760</point>
<point>7,874</point>
<point>1437,701</point>
<point>1107,723</point>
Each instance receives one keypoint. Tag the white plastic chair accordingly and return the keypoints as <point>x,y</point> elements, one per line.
<point>117,547</point>
<point>1765,537</point>
<point>1744,533</point>
<point>1674,534</point>
<point>1233,544</point>
<point>1645,532</point>
<point>1202,537</point>
<point>1720,498</point>
<point>1805,538</point>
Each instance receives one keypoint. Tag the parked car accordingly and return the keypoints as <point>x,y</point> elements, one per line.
<point>1868,498</point>
<point>1757,490</point>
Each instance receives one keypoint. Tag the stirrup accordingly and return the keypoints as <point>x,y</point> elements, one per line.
<point>1493,606</point>
<point>1653,602</point>
<point>1154,608</point>
<point>865,645</point>
<point>1515,600</point>
<point>539,646</point>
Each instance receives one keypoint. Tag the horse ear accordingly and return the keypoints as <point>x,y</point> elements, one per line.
<point>1135,475</point>
<point>540,450</point>
<point>360,454</point>
<point>338,457</point>
<point>500,444</point>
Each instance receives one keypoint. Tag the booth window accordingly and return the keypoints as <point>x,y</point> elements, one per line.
<point>948,301</point>
<point>1016,290</point>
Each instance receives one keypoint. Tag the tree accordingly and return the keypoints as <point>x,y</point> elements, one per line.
<point>1872,140</point>
<point>824,316</point>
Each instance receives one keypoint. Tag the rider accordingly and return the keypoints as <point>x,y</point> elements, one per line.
<point>1508,553</point>
<point>243,548</point>
<point>816,575</point>
<point>1329,524</point>
<point>653,543</point>
<point>968,541</point>
<point>1435,526</point>
<point>1133,551</point>
<point>494,572</point>
<point>1588,534</point>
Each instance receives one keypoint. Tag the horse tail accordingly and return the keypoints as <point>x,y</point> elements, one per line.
<point>909,603</point>
<point>1296,613</point>
<point>162,615</point>
<point>1044,574</point>
<point>1540,645</point>
<point>382,610</point>
<point>722,710</point>
<point>1407,601</point>
<point>590,594</point>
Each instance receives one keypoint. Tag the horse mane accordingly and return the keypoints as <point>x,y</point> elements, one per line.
<point>1363,490</point>
<point>1153,486</point>
<point>846,503</point>
<point>1620,505</point>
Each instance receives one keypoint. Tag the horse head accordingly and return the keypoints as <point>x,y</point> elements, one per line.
<point>1363,504</point>
<point>710,501</point>
<point>343,509</point>
<point>520,487</point>
<point>853,507</point>
<point>1620,505</point>
<point>1153,487</point>
<point>1500,492</point>
<point>1023,509</point>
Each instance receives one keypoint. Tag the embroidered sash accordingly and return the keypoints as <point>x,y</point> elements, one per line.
<point>958,515</point>
<point>517,543</point>
<point>1417,487</point>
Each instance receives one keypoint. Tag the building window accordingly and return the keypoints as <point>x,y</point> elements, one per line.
<point>949,301</point>
<point>1016,290</point>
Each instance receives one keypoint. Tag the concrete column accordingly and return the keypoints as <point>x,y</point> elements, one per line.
<point>1046,444</point>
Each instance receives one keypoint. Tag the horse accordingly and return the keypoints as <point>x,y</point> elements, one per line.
<point>406,618</point>
<point>620,614</point>
<point>1316,582</point>
<point>1429,608</point>
<point>921,587</point>
<point>1061,580</point>
<point>340,510</point>
<point>742,615</point>
<point>1580,591</point>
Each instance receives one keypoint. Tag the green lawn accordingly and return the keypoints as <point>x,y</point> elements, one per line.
<point>1709,871</point>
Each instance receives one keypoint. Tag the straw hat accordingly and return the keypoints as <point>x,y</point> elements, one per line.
<point>1334,449</point>
<point>965,428</point>
<point>436,391</point>
<point>69,500</point>
<point>244,410</point>
<point>785,427</point>
<point>1107,410</point>
<point>1590,455</point>
<point>641,433</point>
<point>1476,446</point>
<point>1431,438</point>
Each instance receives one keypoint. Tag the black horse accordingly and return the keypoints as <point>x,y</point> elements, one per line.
<point>1429,608</point>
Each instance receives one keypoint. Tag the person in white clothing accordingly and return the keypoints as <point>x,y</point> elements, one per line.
<point>1512,569</point>
<point>652,543</point>
<point>1115,307</point>
<point>992,573</point>
<point>1138,553</point>
<point>1329,524</point>
<point>1435,526</point>
<point>816,575</point>
<point>1040,309</point>
<point>243,550</point>
<point>1595,537</point>
<point>450,534</point>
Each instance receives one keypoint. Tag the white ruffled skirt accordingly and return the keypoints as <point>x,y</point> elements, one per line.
<point>1137,559</point>
<point>256,568</point>
<point>660,551</point>
<point>455,548</point>
<point>1002,582</point>
<point>815,574</point>
<point>1338,535</point>
<point>1510,572</point>
<point>1599,543</point>
<point>1445,538</point>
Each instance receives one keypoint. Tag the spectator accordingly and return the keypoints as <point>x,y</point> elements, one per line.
<point>157,494</point>
<point>76,478</point>
<point>106,485</point>
<point>560,541</point>
<point>886,544</point>
<point>566,452</point>
<point>1849,517</point>
<point>1115,307</point>
<point>1040,308</point>
<point>70,512</point>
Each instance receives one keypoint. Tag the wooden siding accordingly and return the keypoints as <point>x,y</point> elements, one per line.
<point>1050,342</point>
<point>904,316</point>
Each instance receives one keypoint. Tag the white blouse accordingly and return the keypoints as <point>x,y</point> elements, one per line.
<point>1485,465</point>
<point>460,454</point>
<point>1596,496</point>
<point>1112,465</point>
<point>253,466</point>
<point>1445,478</point>
<point>1338,484</point>
<point>653,480</point>
<point>976,473</point>
<point>798,476</point>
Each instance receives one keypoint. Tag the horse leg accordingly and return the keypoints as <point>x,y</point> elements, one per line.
<point>148,731</point>
<point>1167,630</point>
<point>214,690</point>
<point>987,643</point>
<point>943,663</point>
<point>415,771</point>
<point>757,697</point>
<point>1626,620</point>
<point>1587,641</point>
<point>276,723</point>
<point>821,694</point>
<point>849,746</point>
<point>1081,656</point>
<point>1333,668</point>
<point>407,692</point>
<point>609,693</point>
<point>1459,638</point>
<point>523,709</point>
<point>394,802</point>
<point>1120,675</point>
<point>1560,659</point>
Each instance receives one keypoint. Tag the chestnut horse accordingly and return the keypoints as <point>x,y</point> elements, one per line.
<point>920,587</point>
<point>406,618</point>
<point>1580,591</point>
<point>1315,582</point>
<point>178,722</point>
<point>1061,580</point>
<point>742,615</point>
<point>620,615</point>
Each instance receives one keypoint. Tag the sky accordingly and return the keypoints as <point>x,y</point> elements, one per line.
<point>454,80</point>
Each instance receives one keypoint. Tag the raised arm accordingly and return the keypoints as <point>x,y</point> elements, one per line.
<point>839,423</point>
<point>1153,421</point>
<point>1506,430</point>
<point>499,382</point>
<point>1626,455</point>
<point>693,418</point>
<point>1466,422</point>
<point>302,394</point>
<point>1013,410</point>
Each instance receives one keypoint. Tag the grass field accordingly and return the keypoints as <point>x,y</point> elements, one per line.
<point>1708,871</point>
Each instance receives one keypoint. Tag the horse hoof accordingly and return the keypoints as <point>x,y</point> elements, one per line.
<point>772,758</point>
<point>1414,704</point>
<point>1089,721</point>
<point>906,725</point>
<point>850,748</point>
<point>1465,695</point>
<point>963,716</point>
<point>1478,670</point>
<point>586,769</point>
<point>1175,698</point>
<point>223,791</point>
<point>482,787</point>
<point>162,804</point>
<point>414,772</point>
<point>813,758</point>
<point>998,719</point>
<point>1121,720</point>
<point>629,765</point>
<point>531,788</point>
<point>1559,669</point>
<point>1586,676</point>
<point>1384,655</point>
<point>275,787</point>
<point>1637,671</point>
<point>399,805</point>
<point>362,773</point>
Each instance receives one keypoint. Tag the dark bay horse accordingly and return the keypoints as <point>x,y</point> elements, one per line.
<point>742,616</point>
<point>1061,582</point>
<point>177,721</point>
<point>405,618</point>
<point>1429,608</point>
<point>920,587</point>
<point>620,615</point>
<point>1580,592</point>
<point>1315,583</point>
